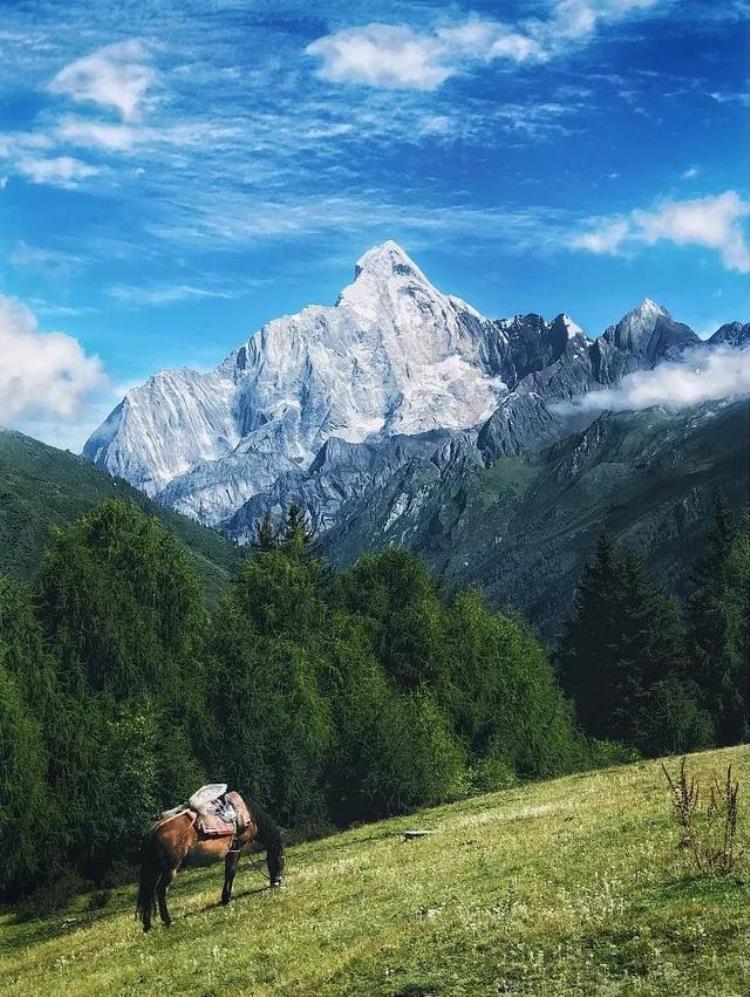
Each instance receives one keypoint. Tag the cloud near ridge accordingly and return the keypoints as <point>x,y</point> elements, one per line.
<point>705,375</point>
<point>399,56</point>
<point>713,222</point>
<point>42,374</point>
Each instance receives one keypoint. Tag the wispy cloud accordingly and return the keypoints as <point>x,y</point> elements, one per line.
<point>39,259</point>
<point>168,294</point>
<point>59,171</point>
<point>224,218</point>
<point>390,55</point>
<point>712,222</point>
<point>742,98</point>
<point>87,133</point>
<point>705,375</point>
<point>116,76</point>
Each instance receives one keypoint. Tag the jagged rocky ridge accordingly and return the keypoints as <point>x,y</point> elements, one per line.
<point>374,413</point>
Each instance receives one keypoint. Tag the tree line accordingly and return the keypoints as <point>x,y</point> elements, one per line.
<point>649,673</point>
<point>330,696</point>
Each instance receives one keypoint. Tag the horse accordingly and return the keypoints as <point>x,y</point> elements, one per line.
<point>175,840</point>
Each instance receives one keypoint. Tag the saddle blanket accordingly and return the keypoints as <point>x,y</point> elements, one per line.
<point>230,817</point>
<point>225,816</point>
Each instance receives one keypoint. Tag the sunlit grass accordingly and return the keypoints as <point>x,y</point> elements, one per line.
<point>574,886</point>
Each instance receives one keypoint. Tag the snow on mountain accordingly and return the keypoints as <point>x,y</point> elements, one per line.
<point>734,334</point>
<point>393,360</point>
<point>165,427</point>
<point>643,337</point>
<point>393,356</point>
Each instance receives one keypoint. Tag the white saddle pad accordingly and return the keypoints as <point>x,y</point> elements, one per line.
<point>201,799</point>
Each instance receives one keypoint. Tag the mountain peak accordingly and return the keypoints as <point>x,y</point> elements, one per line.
<point>387,260</point>
<point>572,328</point>
<point>649,307</point>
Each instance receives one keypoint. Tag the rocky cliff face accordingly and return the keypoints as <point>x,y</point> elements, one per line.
<point>394,356</point>
<point>397,390</point>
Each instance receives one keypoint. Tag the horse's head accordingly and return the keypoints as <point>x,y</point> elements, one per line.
<point>269,836</point>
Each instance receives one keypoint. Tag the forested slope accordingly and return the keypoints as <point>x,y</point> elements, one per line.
<point>42,488</point>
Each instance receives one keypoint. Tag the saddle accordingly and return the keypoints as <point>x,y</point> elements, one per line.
<point>217,813</point>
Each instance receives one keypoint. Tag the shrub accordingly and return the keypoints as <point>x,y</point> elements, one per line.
<point>709,834</point>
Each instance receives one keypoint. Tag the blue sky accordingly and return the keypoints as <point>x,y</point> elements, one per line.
<point>175,172</point>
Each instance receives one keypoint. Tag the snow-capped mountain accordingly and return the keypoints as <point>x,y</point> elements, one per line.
<point>394,356</point>
<point>331,402</point>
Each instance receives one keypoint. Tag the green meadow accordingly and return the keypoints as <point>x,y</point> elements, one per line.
<point>572,886</point>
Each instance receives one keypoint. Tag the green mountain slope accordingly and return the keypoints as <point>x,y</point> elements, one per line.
<point>42,488</point>
<point>522,528</point>
<point>649,479</point>
<point>569,887</point>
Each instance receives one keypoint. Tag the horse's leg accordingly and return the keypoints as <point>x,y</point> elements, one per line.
<point>148,879</point>
<point>230,868</point>
<point>165,881</point>
<point>275,865</point>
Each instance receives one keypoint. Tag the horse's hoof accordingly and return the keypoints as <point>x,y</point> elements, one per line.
<point>225,901</point>
<point>276,884</point>
<point>146,928</point>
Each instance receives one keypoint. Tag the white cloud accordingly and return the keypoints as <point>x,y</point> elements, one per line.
<point>58,171</point>
<point>381,55</point>
<point>117,76</point>
<point>387,55</point>
<point>707,375</point>
<point>690,173</point>
<point>606,237</point>
<point>42,374</point>
<point>488,40</point>
<point>713,222</point>
<point>31,155</point>
<point>98,134</point>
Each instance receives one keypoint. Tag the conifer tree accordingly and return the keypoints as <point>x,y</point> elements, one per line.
<point>297,531</point>
<point>23,796</point>
<point>648,650</point>
<point>737,612</point>
<point>266,535</point>
<point>715,664</point>
<point>586,652</point>
<point>622,659</point>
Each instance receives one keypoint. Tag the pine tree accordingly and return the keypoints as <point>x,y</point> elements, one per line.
<point>23,795</point>
<point>713,665</point>
<point>119,599</point>
<point>266,535</point>
<point>737,615</point>
<point>649,651</point>
<point>588,647</point>
<point>297,531</point>
<point>623,642</point>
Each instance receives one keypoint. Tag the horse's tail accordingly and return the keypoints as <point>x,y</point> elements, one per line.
<point>145,906</point>
<point>269,835</point>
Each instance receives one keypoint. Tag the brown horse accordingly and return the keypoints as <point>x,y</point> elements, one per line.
<point>176,840</point>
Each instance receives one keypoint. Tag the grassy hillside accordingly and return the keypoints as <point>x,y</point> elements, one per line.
<point>42,487</point>
<point>568,887</point>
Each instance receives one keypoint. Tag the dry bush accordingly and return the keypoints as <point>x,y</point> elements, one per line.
<point>710,833</point>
